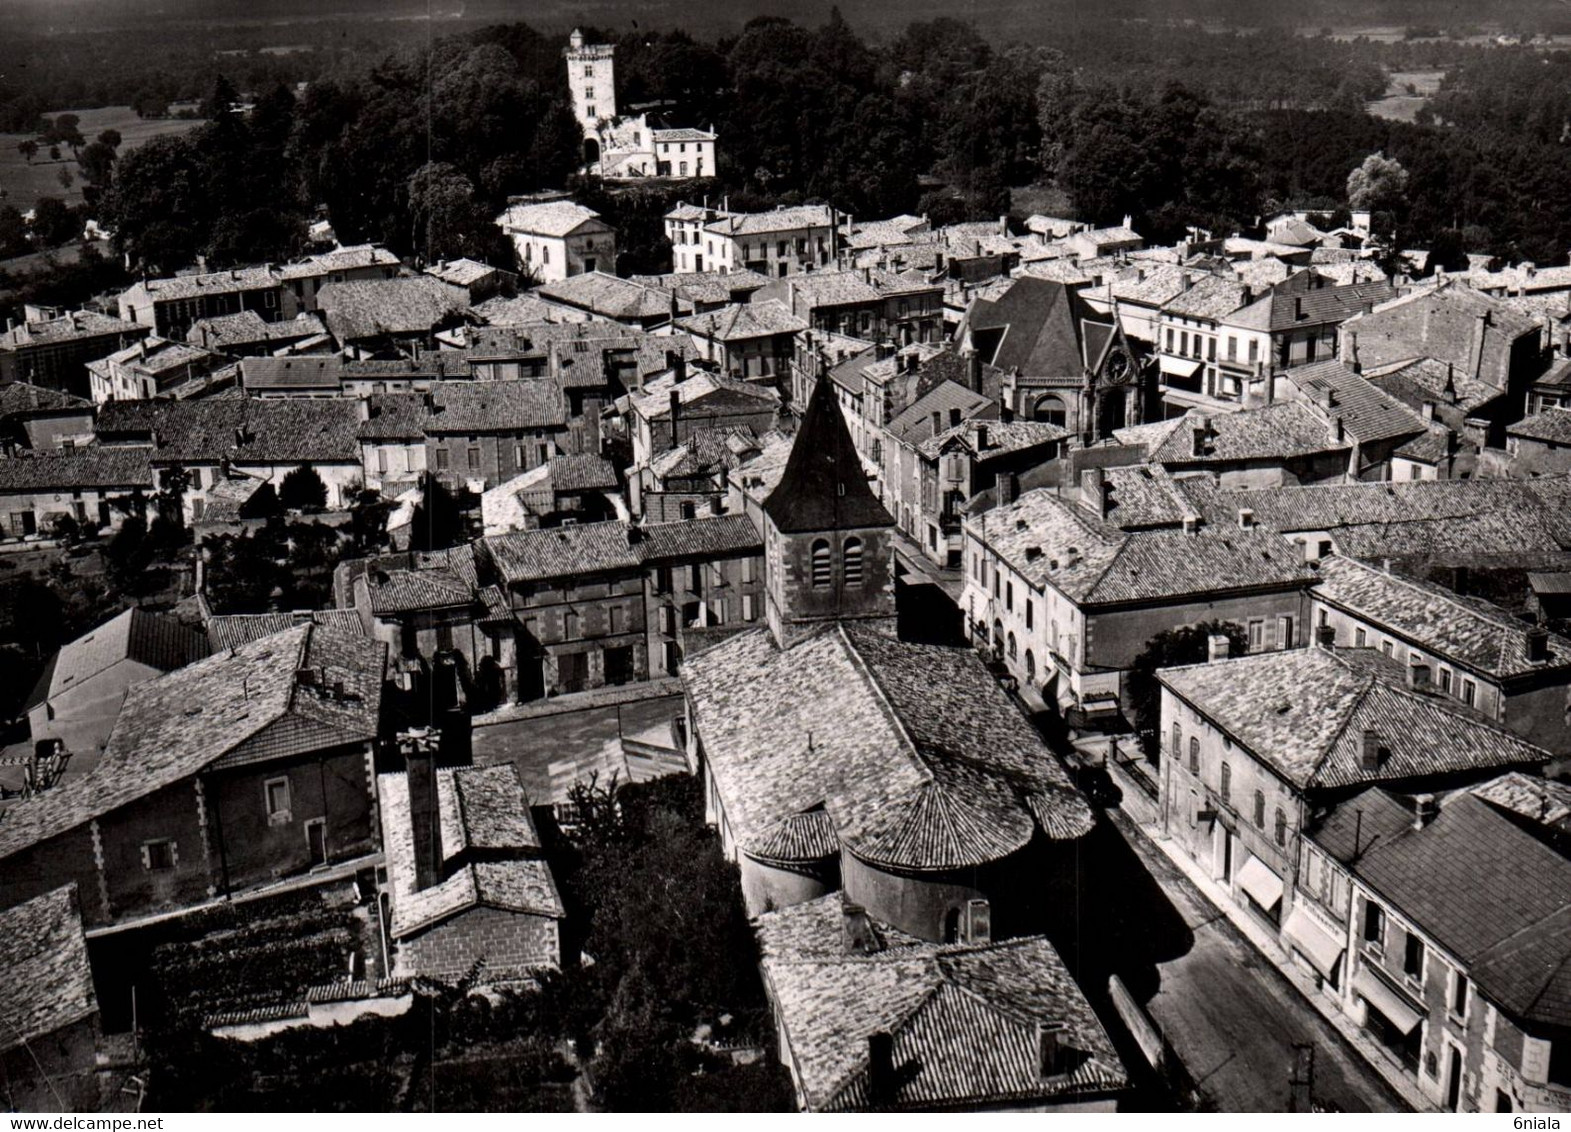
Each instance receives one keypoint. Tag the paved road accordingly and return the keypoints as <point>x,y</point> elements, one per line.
<point>1229,1015</point>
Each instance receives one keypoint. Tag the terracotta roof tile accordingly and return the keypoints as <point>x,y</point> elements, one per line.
<point>50,981</point>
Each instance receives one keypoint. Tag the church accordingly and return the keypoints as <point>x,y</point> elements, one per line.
<point>627,148</point>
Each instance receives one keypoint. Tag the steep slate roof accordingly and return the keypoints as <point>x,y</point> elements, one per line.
<point>742,321</point>
<point>914,751</point>
<point>965,1019</point>
<point>157,640</point>
<point>49,980</point>
<point>1281,431</point>
<point>281,430</point>
<point>1466,631</point>
<point>1368,414</point>
<point>519,884</point>
<point>1044,328</point>
<point>553,218</point>
<point>368,308</point>
<point>1051,542</point>
<point>1303,712</point>
<point>824,487</point>
<point>1485,889</point>
<point>241,706</point>
<point>72,468</point>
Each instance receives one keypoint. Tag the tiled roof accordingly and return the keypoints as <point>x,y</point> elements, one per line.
<point>1368,414</point>
<point>561,552</point>
<point>394,416</point>
<point>1552,426</point>
<point>1281,431</point>
<point>484,808</point>
<point>742,321</point>
<point>581,471</point>
<point>231,630</point>
<point>704,393</point>
<point>72,468</point>
<point>1151,288</point>
<point>1121,234</point>
<point>224,709</point>
<point>496,406</point>
<point>311,372</point>
<point>699,538</point>
<point>1481,886</point>
<point>1004,438</point>
<point>368,308</point>
<point>927,764</point>
<point>1211,297</point>
<point>588,362</point>
<point>681,134</point>
<point>1287,308</point>
<point>1441,321</point>
<point>247,326</point>
<point>460,272</point>
<point>518,884</point>
<point>554,218</point>
<point>50,983</point>
<point>1466,631</point>
<point>212,283</point>
<point>77,324</point>
<point>831,289</point>
<point>410,591</point>
<point>1142,496</point>
<point>1540,800</point>
<point>1429,379</point>
<point>780,220</point>
<point>20,398</point>
<point>965,1020</point>
<point>707,286</point>
<point>1051,542</point>
<point>824,486</point>
<point>615,298</point>
<point>524,310</point>
<point>1304,712</point>
<point>282,430</point>
<point>914,424</point>
<point>158,640</point>
<point>339,259</point>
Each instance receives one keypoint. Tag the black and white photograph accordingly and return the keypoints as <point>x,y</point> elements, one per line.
<point>841,556</point>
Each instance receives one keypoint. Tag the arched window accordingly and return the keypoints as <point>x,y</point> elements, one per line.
<point>1051,409</point>
<point>851,561</point>
<point>1194,755</point>
<point>1260,810</point>
<point>820,564</point>
<point>1227,783</point>
<point>1011,646</point>
<point>1030,667</point>
<point>1178,741</point>
<point>1281,826</point>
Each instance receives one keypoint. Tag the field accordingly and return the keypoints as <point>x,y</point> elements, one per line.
<point>1407,92</point>
<point>22,184</point>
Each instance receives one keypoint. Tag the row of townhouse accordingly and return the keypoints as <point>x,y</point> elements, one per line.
<point>1437,935</point>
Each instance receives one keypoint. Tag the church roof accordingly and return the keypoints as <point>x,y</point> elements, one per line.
<point>824,487</point>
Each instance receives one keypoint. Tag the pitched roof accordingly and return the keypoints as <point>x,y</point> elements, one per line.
<point>50,980</point>
<point>280,430</point>
<point>358,309</point>
<point>553,218</point>
<point>248,326</point>
<point>913,425</point>
<point>339,259</point>
<point>20,398</point>
<point>612,297</point>
<point>1465,631</point>
<point>560,552</point>
<point>1368,414</point>
<point>708,286</point>
<point>1043,325</point>
<point>1004,438</point>
<point>1540,800</point>
<point>699,538</point>
<point>1303,712</point>
<point>227,709</point>
<point>495,406</point>
<point>158,640</point>
<point>72,468</point>
<point>1211,297</point>
<point>779,220</point>
<point>581,471</point>
<point>824,487</point>
<point>1051,542</point>
<point>1551,426</point>
<point>211,283</point>
<point>1442,321</point>
<point>231,630</point>
<point>75,325</point>
<point>928,764</point>
<point>1429,379</point>
<point>1144,495</point>
<point>965,1019</point>
<point>742,321</point>
<point>311,372</point>
<point>1475,881</point>
<point>1289,307</point>
<point>460,272</point>
<point>1281,431</point>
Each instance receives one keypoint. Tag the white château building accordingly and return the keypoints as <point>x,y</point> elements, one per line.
<point>627,149</point>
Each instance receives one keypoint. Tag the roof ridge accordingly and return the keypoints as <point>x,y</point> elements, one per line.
<point>861,665</point>
<point>1336,736</point>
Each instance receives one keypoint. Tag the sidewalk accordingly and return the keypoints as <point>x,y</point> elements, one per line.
<point>1403,1085</point>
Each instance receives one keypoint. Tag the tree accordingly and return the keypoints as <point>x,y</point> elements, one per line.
<point>446,221</point>
<point>159,208</point>
<point>65,177</point>
<point>1379,183</point>
<point>111,138</point>
<point>1187,645</point>
<point>28,148</point>
<point>55,222</point>
<point>66,129</point>
<point>97,162</point>
<point>13,232</point>
<point>303,490</point>
<point>242,572</point>
<point>437,523</point>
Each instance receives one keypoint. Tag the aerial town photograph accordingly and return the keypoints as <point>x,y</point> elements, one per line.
<point>878,556</point>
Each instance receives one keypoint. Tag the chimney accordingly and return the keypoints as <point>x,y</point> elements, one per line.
<point>1425,809</point>
<point>938,422</point>
<point>419,750</point>
<point>1328,397</point>
<point>1428,410</point>
<point>363,405</point>
<point>1197,446</point>
<point>676,414</point>
<point>1217,647</point>
<point>981,437</point>
<point>1191,524</point>
<point>1338,430</point>
<point>1325,637</point>
<point>859,937</point>
<point>1371,753</point>
<point>1246,519</point>
<point>974,370</point>
<point>880,1068</point>
<point>1418,675</point>
<point>679,371</point>
<point>1009,488</point>
<point>675,314</point>
<point>1537,645</point>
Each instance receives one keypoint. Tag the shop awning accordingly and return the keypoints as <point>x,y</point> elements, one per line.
<point>1384,999</point>
<point>1178,367</point>
<point>1262,885</point>
<point>1319,946</point>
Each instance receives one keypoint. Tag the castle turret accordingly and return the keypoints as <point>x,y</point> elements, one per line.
<point>591,77</point>
<point>827,539</point>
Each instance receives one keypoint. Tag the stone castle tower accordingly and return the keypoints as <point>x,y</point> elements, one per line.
<point>828,552</point>
<point>591,76</point>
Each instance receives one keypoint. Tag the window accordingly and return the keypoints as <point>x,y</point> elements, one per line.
<point>1232,348</point>
<point>1227,783</point>
<point>474,459</point>
<point>1178,734</point>
<point>591,111</point>
<point>820,564</point>
<point>1260,809</point>
<point>589,70</point>
<point>1469,692</point>
<point>569,625</point>
<point>1183,343</point>
<point>441,459</point>
<point>1030,615</point>
<point>275,792</point>
<point>1413,958</point>
<point>614,619</point>
<point>1169,339</point>
<point>1360,638</point>
<point>1009,596</point>
<point>1011,646</point>
<point>1445,680</point>
<point>747,570</point>
<point>1281,826</point>
<point>851,562</point>
<point>1257,635</point>
<point>1388,647</point>
<point>1458,1003</point>
<point>1374,923</point>
<point>159,855</point>
<point>748,613</point>
<point>1194,755</point>
<point>1254,350</point>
